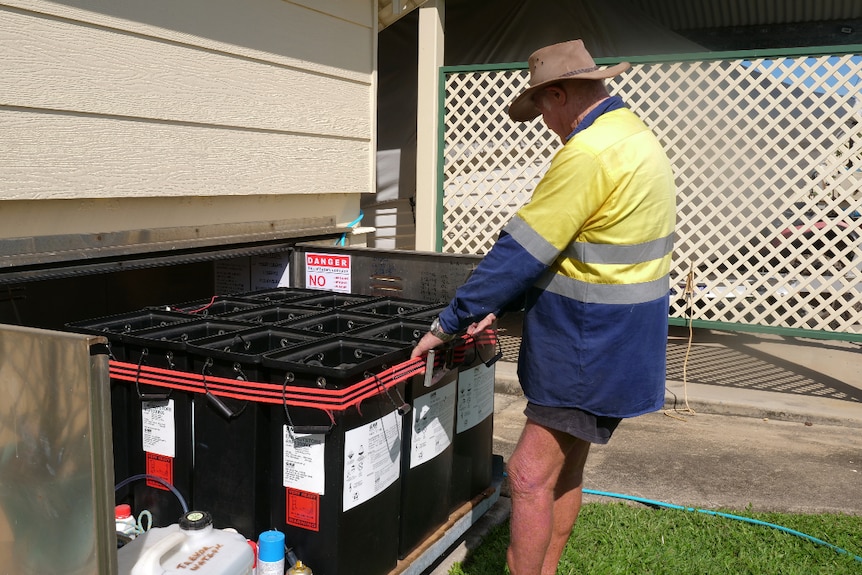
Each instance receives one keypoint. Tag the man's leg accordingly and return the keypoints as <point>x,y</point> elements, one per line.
<point>567,503</point>
<point>542,478</point>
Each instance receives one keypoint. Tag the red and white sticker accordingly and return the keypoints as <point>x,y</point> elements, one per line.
<point>159,440</point>
<point>161,467</point>
<point>303,509</point>
<point>327,272</point>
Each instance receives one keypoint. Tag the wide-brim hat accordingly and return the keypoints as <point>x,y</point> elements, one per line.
<point>555,63</point>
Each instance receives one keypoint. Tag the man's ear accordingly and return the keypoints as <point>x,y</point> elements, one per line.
<point>557,93</point>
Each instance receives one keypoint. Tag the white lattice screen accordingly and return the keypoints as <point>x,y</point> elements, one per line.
<point>768,161</point>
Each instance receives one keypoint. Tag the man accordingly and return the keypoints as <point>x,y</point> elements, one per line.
<point>588,258</point>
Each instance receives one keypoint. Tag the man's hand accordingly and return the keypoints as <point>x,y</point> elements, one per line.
<point>481,325</point>
<point>425,344</point>
<point>429,341</point>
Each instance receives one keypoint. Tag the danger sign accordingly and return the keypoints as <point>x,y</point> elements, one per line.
<point>327,272</point>
<point>327,260</point>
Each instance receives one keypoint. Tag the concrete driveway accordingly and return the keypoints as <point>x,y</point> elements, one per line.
<point>708,460</point>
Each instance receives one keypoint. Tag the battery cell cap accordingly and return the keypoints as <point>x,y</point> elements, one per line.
<point>195,521</point>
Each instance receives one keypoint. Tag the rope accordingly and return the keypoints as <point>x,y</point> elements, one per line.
<point>689,294</point>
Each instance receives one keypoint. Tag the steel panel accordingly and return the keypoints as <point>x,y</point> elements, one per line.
<point>56,461</point>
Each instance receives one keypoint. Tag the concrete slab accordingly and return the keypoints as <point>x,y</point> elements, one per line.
<point>717,461</point>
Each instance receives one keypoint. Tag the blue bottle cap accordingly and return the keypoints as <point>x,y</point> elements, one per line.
<point>270,546</point>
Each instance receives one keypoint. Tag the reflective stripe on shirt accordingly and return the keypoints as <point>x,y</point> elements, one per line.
<point>531,241</point>
<point>586,292</point>
<point>589,253</point>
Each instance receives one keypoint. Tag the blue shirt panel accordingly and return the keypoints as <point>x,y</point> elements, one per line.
<point>608,359</point>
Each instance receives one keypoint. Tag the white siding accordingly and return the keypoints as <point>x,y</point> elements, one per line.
<point>205,98</point>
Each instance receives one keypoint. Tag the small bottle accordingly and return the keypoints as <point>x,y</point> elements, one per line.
<point>253,545</point>
<point>299,569</point>
<point>270,553</point>
<point>126,524</point>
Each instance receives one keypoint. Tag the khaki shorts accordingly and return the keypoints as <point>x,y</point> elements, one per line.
<point>574,421</point>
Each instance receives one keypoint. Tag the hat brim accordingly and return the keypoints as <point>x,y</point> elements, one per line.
<point>522,108</point>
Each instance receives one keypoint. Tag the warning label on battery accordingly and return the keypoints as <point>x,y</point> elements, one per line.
<point>161,467</point>
<point>433,422</point>
<point>159,429</point>
<point>372,459</point>
<point>303,509</point>
<point>304,456</point>
<point>475,396</point>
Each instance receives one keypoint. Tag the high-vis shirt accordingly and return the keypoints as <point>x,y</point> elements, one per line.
<point>589,258</point>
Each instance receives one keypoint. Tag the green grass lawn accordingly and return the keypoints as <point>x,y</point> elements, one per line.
<point>626,539</point>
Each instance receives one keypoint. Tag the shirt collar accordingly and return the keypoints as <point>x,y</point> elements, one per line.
<point>607,105</point>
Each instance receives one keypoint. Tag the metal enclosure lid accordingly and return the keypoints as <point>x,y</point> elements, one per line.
<point>56,459</point>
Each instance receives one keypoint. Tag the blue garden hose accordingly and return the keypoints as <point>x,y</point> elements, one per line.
<point>652,503</point>
<point>341,241</point>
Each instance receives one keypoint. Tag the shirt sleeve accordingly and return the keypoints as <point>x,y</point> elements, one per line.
<point>503,275</point>
<point>561,204</point>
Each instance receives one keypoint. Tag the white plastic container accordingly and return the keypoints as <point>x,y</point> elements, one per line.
<point>126,524</point>
<point>193,545</point>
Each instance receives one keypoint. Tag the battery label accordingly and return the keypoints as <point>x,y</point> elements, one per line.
<point>304,461</point>
<point>161,467</point>
<point>372,459</point>
<point>475,396</point>
<point>303,509</point>
<point>433,422</point>
<point>159,427</point>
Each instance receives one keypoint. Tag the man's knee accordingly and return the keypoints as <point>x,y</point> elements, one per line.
<point>521,481</point>
<point>527,476</point>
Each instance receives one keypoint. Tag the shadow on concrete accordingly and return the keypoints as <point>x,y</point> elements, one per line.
<point>751,361</point>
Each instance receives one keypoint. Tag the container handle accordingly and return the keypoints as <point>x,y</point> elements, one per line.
<point>433,376</point>
<point>496,357</point>
<point>147,396</point>
<point>217,403</point>
<point>150,560</point>
<point>304,429</point>
<point>403,408</point>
